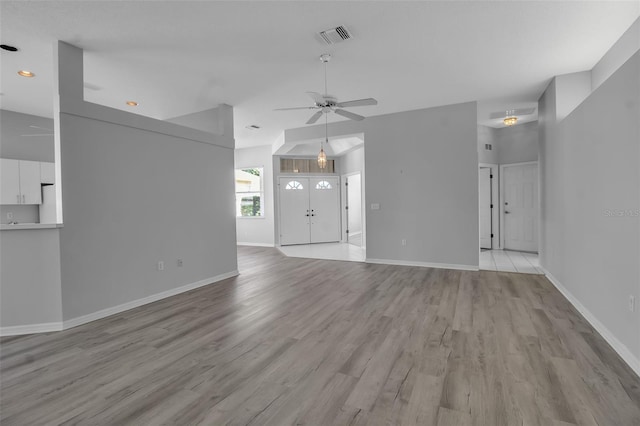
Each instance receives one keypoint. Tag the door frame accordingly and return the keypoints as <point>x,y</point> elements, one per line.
<point>502,166</point>
<point>496,196</point>
<point>343,202</point>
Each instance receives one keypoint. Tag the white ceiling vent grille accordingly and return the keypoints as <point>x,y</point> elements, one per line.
<point>335,35</point>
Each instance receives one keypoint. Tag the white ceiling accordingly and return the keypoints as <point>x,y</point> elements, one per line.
<point>180,57</point>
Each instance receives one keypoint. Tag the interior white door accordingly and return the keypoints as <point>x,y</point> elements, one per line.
<point>485,208</point>
<point>520,183</point>
<point>295,212</point>
<point>354,209</point>
<point>324,195</point>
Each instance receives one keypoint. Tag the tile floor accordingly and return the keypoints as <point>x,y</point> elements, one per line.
<point>329,251</point>
<point>510,261</point>
<point>491,260</point>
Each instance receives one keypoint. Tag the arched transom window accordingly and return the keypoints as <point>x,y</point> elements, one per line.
<point>323,184</point>
<point>294,184</point>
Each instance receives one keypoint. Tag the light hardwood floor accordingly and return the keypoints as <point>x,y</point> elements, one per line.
<point>316,342</point>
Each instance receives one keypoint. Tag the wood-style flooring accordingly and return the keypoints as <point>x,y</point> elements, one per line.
<point>313,342</point>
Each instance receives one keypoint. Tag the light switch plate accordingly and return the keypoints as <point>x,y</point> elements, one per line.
<point>375,206</point>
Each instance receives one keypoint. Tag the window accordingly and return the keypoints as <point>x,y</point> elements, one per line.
<point>249,192</point>
<point>323,184</point>
<point>294,184</point>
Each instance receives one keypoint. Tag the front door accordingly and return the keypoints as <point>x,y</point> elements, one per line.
<point>325,209</point>
<point>520,182</point>
<point>295,213</point>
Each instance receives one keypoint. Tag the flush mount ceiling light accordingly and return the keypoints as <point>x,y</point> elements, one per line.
<point>510,121</point>
<point>25,73</point>
<point>132,103</point>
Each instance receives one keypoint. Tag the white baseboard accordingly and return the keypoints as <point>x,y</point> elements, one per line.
<point>423,264</point>
<point>613,341</point>
<point>74,322</point>
<point>30,329</point>
<point>255,244</point>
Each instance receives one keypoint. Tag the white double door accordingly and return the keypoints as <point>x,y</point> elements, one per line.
<point>309,210</point>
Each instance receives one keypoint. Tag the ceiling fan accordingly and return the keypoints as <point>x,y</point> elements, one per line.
<point>327,103</point>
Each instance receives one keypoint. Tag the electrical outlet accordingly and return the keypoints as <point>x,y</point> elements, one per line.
<point>179,262</point>
<point>404,242</point>
<point>632,303</point>
<point>9,215</point>
<point>160,265</point>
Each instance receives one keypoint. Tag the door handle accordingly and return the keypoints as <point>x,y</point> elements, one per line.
<point>506,212</point>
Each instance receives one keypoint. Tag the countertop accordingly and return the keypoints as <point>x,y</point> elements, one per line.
<point>19,226</point>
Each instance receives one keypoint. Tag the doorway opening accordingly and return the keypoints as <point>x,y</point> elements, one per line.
<point>353,221</point>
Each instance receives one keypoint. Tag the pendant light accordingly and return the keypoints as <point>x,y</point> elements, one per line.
<point>322,157</point>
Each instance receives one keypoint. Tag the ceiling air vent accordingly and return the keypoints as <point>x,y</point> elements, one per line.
<point>335,35</point>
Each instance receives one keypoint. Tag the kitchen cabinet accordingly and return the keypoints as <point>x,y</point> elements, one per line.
<point>47,173</point>
<point>20,182</point>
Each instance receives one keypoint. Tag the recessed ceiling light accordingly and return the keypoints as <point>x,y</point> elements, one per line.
<point>26,73</point>
<point>132,103</point>
<point>9,48</point>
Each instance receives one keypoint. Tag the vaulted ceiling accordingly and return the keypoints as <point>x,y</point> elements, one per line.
<point>180,57</point>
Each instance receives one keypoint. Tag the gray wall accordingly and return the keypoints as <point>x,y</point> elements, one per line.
<point>13,145</point>
<point>517,144</point>
<point>620,52</point>
<point>486,135</point>
<point>30,277</point>
<point>590,174</point>
<point>257,230</point>
<point>132,198</point>
<point>422,168</point>
<point>352,162</point>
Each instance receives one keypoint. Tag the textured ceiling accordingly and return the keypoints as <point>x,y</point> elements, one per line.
<point>176,58</point>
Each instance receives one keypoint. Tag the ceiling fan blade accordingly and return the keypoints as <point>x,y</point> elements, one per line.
<point>289,109</point>
<point>349,115</point>
<point>357,103</point>
<point>317,97</point>
<point>315,117</point>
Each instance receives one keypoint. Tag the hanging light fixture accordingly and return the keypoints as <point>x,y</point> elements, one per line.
<point>322,157</point>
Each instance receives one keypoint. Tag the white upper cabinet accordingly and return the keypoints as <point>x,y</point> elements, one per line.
<point>20,182</point>
<point>47,173</point>
<point>10,182</point>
